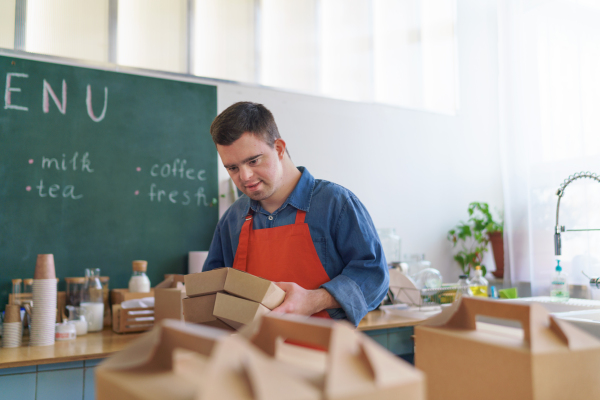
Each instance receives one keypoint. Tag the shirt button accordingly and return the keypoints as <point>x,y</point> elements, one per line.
<point>270,218</point>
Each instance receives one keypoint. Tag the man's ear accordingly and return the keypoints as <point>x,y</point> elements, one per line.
<point>280,147</point>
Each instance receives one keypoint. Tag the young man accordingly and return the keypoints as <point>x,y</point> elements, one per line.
<point>314,238</point>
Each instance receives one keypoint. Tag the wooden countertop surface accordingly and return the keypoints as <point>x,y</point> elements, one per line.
<point>380,320</point>
<point>103,344</point>
<point>90,346</point>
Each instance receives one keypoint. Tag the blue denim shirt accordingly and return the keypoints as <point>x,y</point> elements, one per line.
<point>342,232</point>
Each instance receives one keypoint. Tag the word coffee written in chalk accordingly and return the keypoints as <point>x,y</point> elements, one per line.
<point>12,88</point>
<point>177,170</point>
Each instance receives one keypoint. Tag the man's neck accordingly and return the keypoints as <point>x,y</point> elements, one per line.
<point>291,177</point>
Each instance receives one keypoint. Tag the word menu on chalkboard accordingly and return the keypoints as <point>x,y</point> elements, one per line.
<point>102,168</point>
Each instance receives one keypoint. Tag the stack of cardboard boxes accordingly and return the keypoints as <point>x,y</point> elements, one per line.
<point>227,298</point>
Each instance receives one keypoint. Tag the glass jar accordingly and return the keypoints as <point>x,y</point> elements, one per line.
<point>93,301</point>
<point>391,244</point>
<point>74,291</point>
<point>105,296</point>
<point>139,282</point>
<point>464,288</point>
<point>28,286</point>
<point>16,291</point>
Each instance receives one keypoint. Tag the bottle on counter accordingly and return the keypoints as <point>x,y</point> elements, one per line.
<point>560,288</point>
<point>139,282</point>
<point>479,285</point>
<point>93,301</point>
<point>464,288</point>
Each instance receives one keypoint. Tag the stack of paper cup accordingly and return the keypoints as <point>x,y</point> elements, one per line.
<point>43,315</point>
<point>12,328</point>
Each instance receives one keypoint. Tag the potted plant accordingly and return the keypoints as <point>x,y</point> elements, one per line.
<point>474,236</point>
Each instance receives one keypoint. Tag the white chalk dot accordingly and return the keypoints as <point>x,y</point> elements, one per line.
<point>28,188</point>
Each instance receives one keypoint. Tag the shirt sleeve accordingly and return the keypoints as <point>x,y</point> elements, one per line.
<point>364,280</point>
<point>215,258</point>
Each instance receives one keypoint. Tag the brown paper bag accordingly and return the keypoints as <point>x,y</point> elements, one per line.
<point>547,359</point>
<point>356,366</point>
<point>177,361</point>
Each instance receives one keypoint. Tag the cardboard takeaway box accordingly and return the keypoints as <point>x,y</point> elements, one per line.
<point>168,296</point>
<point>547,359</point>
<point>237,283</point>
<point>227,298</point>
<point>177,361</point>
<point>185,362</point>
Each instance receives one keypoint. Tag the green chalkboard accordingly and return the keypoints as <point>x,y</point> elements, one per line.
<point>101,168</point>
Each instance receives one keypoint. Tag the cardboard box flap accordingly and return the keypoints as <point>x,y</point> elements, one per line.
<point>154,350</point>
<point>237,312</point>
<point>356,364</point>
<point>237,371</point>
<point>171,281</point>
<point>539,332</point>
<point>251,287</point>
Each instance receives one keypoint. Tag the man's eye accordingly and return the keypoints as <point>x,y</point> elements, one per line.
<point>252,162</point>
<point>231,169</point>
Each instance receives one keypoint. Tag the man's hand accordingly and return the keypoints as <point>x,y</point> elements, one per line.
<point>304,302</point>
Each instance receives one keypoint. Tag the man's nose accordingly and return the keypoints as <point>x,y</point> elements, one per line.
<point>245,173</point>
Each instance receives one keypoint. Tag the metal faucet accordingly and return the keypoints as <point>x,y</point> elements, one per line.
<point>558,229</point>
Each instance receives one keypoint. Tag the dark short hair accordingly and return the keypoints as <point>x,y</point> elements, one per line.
<point>243,117</point>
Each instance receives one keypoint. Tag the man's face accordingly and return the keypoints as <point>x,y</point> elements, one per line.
<point>256,168</point>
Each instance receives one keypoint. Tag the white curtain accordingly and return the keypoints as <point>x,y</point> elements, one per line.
<point>549,54</point>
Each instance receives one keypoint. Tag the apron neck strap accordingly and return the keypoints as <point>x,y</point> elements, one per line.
<point>300,215</point>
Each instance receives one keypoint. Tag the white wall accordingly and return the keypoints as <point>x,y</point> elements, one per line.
<point>415,171</point>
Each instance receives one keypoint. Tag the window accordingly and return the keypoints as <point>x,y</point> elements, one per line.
<point>397,52</point>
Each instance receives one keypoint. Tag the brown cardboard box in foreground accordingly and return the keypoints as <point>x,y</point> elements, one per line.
<point>237,283</point>
<point>199,310</point>
<point>548,359</point>
<point>168,296</point>
<point>356,368</point>
<point>216,366</point>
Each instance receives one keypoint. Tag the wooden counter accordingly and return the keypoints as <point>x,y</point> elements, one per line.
<point>103,344</point>
<point>380,320</point>
<point>90,346</point>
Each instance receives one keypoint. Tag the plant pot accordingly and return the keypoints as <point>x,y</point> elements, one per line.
<point>497,241</point>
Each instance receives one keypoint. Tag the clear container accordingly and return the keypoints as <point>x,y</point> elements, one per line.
<point>464,288</point>
<point>429,278</point>
<point>559,291</point>
<point>28,286</point>
<point>93,301</point>
<point>139,282</point>
<point>16,291</point>
<point>391,244</point>
<point>74,291</point>
<point>104,280</point>
<point>479,285</point>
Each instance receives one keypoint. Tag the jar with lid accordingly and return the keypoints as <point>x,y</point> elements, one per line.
<point>139,282</point>
<point>463,287</point>
<point>74,292</point>
<point>93,301</point>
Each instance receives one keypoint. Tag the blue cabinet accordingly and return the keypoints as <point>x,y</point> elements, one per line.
<point>60,381</point>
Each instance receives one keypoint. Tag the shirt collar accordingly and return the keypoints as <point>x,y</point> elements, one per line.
<point>299,198</point>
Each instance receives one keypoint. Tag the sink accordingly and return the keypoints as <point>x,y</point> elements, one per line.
<point>587,320</point>
<point>560,307</point>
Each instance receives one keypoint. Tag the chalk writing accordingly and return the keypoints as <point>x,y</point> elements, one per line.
<point>53,163</point>
<point>160,195</point>
<point>177,170</point>
<point>68,191</point>
<point>47,94</point>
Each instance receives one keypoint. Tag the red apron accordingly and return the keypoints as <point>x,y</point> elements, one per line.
<point>281,254</point>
